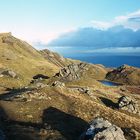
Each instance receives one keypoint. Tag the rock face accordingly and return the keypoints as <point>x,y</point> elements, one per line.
<point>72,71</point>
<point>9,73</point>
<point>125,75</point>
<point>101,129</point>
<point>128,104</point>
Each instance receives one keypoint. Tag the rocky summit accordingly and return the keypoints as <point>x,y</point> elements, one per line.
<point>44,96</point>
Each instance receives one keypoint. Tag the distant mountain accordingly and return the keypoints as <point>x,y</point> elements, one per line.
<point>117,36</point>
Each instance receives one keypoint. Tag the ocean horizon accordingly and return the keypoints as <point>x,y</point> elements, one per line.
<point>109,60</point>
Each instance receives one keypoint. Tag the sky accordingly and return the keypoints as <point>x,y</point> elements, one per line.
<point>45,20</point>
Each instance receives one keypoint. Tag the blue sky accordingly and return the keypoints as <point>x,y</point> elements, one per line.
<point>44,20</point>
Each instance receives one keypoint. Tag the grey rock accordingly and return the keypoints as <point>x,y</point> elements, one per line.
<point>72,71</point>
<point>101,129</point>
<point>128,104</point>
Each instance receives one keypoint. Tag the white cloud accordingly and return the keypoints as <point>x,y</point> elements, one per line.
<point>115,50</point>
<point>131,21</point>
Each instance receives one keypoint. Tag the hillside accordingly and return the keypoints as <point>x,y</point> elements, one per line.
<point>44,96</point>
<point>23,59</point>
<point>125,75</point>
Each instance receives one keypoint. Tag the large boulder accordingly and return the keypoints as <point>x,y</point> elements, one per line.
<point>101,129</point>
<point>128,104</point>
<point>72,71</point>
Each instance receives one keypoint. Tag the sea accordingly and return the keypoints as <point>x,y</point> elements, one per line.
<point>109,61</point>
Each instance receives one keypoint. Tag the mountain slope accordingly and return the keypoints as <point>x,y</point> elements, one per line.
<point>23,59</point>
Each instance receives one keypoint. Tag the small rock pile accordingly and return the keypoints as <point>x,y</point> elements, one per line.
<point>128,104</point>
<point>101,129</point>
<point>72,71</point>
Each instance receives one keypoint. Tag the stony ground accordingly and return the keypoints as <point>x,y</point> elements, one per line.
<point>64,112</point>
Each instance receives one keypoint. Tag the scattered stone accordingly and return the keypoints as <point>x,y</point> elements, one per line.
<point>128,104</point>
<point>9,73</point>
<point>58,84</point>
<point>85,90</point>
<point>101,129</point>
<point>72,71</point>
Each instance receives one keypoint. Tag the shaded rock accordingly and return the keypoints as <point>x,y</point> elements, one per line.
<point>101,129</point>
<point>9,73</point>
<point>131,134</point>
<point>128,104</point>
<point>2,136</point>
<point>58,84</point>
<point>72,71</point>
<point>40,77</point>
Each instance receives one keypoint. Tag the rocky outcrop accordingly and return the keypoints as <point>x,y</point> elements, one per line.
<point>128,104</point>
<point>101,129</point>
<point>72,71</point>
<point>125,75</point>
